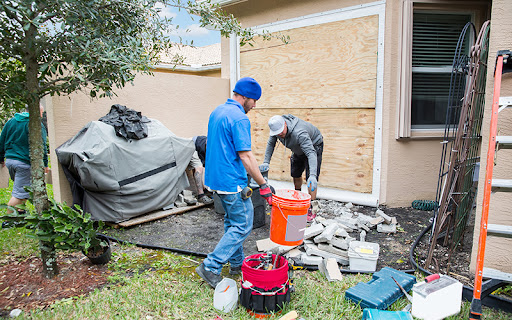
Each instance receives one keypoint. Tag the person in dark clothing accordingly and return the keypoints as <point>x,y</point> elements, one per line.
<point>306,143</point>
<point>200,142</point>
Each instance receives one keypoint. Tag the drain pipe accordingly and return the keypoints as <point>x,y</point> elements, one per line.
<point>488,300</point>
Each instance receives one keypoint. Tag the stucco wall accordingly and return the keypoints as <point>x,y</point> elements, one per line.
<point>498,250</point>
<point>182,103</point>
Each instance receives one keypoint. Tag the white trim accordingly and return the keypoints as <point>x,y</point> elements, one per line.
<point>188,68</point>
<point>234,61</point>
<point>379,8</point>
<point>223,3</point>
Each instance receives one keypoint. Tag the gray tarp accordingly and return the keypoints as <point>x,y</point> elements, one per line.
<point>115,179</point>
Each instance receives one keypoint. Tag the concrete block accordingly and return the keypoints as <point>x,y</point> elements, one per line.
<point>331,249</point>
<point>295,252</point>
<point>346,228</point>
<point>376,221</point>
<point>387,219</point>
<point>393,220</point>
<point>180,202</point>
<point>349,222</point>
<point>315,206</point>
<point>386,228</point>
<point>266,245</point>
<point>312,250</point>
<point>330,269</point>
<point>341,232</point>
<point>313,230</point>
<point>339,243</point>
<point>327,234</point>
<point>349,205</point>
<point>311,260</point>
<point>362,225</point>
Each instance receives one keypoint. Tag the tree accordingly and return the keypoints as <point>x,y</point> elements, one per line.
<point>56,47</point>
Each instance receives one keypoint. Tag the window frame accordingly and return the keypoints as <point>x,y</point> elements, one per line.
<point>478,11</point>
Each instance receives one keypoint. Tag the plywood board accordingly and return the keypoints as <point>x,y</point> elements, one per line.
<point>331,65</point>
<point>348,145</point>
<point>327,75</point>
<point>158,215</point>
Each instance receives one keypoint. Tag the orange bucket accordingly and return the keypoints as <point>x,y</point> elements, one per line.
<point>288,217</point>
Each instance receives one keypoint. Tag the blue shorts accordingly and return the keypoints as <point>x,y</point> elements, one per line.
<point>20,174</point>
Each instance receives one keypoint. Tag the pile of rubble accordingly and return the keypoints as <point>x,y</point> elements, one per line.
<point>327,240</point>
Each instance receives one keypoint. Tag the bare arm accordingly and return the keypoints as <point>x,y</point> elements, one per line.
<point>250,164</point>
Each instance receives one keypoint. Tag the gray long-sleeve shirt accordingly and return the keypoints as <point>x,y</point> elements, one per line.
<point>301,138</point>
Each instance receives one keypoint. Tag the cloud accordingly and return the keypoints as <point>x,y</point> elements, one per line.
<point>166,11</point>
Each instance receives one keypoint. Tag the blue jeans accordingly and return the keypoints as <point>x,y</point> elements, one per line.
<point>238,218</point>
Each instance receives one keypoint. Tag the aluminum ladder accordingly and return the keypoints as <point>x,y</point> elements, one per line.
<point>503,65</point>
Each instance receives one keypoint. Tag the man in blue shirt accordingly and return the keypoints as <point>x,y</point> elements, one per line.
<point>228,160</point>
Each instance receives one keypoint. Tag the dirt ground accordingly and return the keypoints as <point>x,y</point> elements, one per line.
<point>22,286</point>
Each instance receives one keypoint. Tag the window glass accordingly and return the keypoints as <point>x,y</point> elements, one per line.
<point>435,37</point>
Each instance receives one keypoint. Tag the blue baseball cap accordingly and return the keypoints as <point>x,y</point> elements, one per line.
<point>248,87</point>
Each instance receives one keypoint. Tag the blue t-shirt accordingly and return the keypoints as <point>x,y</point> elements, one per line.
<point>229,131</point>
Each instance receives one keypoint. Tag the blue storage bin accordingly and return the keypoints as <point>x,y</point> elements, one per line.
<point>381,291</point>
<point>376,314</point>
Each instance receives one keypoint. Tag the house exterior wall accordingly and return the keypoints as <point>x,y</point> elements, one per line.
<point>498,250</point>
<point>409,168</point>
<point>182,103</point>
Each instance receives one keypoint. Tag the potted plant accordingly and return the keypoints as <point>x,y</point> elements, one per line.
<point>65,228</point>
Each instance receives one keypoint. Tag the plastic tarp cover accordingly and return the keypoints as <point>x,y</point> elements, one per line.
<point>115,179</point>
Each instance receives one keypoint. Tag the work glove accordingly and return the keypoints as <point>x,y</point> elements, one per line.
<point>266,193</point>
<point>264,167</point>
<point>312,182</point>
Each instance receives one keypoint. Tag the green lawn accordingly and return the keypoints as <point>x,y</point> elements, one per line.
<point>172,290</point>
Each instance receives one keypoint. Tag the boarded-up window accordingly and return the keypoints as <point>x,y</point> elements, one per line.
<point>326,75</point>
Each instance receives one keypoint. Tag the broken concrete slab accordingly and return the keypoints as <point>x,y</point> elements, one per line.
<point>387,219</point>
<point>376,221</point>
<point>312,250</point>
<point>266,245</point>
<point>313,230</point>
<point>339,243</point>
<point>331,249</point>
<point>386,228</point>
<point>295,252</point>
<point>327,234</point>
<point>310,260</point>
<point>330,269</point>
<point>362,236</point>
<point>341,232</point>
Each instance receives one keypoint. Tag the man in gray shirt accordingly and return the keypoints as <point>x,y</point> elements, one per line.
<point>306,143</point>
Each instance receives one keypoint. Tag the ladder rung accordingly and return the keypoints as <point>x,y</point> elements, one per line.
<point>497,274</point>
<point>501,185</point>
<point>505,102</point>
<point>504,142</point>
<point>499,230</point>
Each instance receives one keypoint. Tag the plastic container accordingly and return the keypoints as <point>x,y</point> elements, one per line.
<point>225,297</point>
<point>444,293</point>
<point>363,256</point>
<point>376,314</point>
<point>288,217</point>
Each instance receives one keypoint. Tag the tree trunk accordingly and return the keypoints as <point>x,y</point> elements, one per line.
<point>40,196</point>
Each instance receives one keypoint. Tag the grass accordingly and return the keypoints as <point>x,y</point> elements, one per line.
<point>150,284</point>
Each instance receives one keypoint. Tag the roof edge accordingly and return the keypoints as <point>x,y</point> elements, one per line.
<point>223,3</point>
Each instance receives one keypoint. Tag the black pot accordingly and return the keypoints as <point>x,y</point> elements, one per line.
<point>100,257</point>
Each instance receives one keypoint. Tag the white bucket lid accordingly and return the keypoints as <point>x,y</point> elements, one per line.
<point>363,250</point>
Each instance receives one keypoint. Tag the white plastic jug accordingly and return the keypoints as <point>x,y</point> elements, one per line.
<point>225,297</point>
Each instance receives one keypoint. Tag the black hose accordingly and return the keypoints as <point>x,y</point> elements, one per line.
<point>150,246</point>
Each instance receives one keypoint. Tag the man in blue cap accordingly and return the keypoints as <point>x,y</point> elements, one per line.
<point>228,160</point>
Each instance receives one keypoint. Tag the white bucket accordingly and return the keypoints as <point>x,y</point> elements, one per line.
<point>363,256</point>
<point>225,297</point>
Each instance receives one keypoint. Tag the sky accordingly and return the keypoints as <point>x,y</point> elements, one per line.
<point>201,36</point>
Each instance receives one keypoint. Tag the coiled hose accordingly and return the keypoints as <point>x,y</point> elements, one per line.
<point>425,205</point>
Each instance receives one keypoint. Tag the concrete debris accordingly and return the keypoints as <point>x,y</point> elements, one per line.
<point>327,234</point>
<point>330,269</point>
<point>328,238</point>
<point>386,228</point>
<point>313,230</point>
<point>180,202</point>
<point>15,313</point>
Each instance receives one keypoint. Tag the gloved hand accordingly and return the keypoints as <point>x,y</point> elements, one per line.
<point>312,182</point>
<point>266,193</point>
<point>264,167</point>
